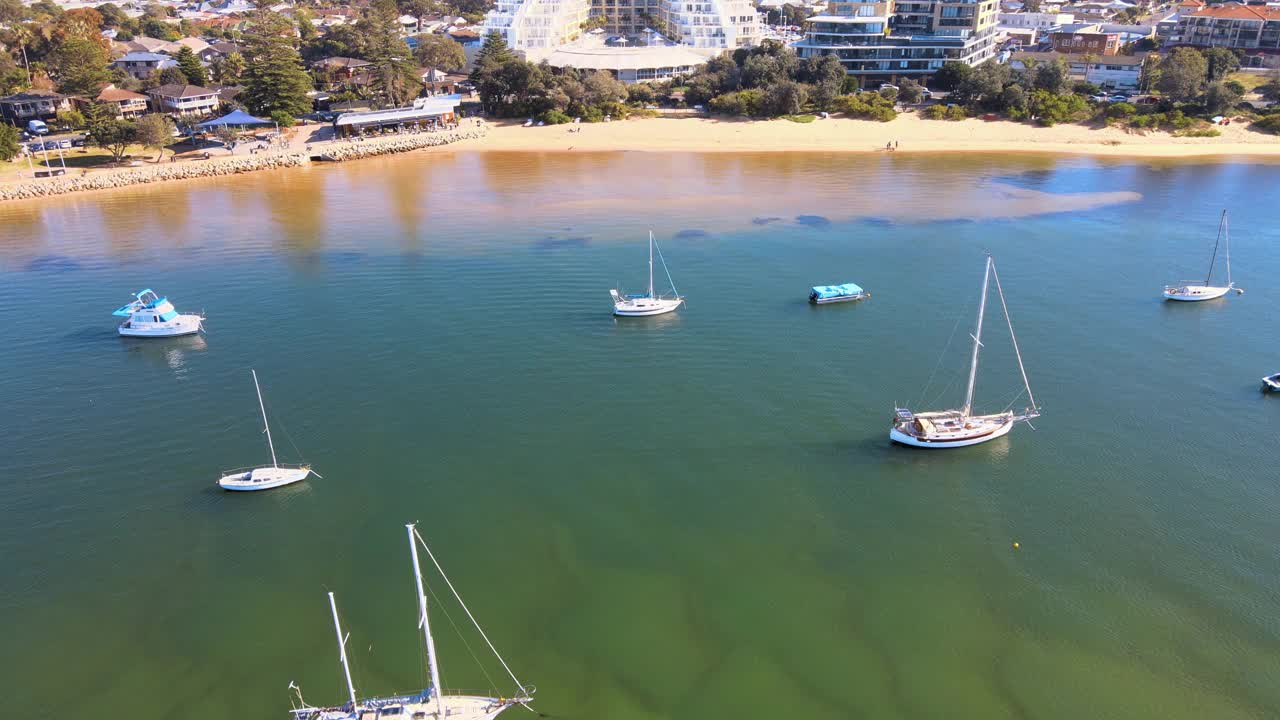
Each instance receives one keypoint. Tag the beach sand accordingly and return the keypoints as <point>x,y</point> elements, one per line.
<point>912,133</point>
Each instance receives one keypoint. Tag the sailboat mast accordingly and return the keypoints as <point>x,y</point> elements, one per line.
<point>650,263</point>
<point>977,340</point>
<point>342,650</point>
<point>265,425</point>
<point>1226,235</point>
<point>425,624</point>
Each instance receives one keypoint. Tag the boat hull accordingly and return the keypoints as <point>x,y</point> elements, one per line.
<point>457,707</point>
<point>904,438</point>
<point>646,308</point>
<point>1195,293</point>
<point>181,325</point>
<point>1271,383</point>
<point>842,299</point>
<point>262,478</point>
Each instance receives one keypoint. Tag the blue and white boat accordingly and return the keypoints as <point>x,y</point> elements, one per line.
<point>848,292</point>
<point>151,315</point>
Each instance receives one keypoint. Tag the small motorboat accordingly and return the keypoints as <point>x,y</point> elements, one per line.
<point>649,303</point>
<point>848,292</point>
<point>153,316</point>
<point>1271,383</point>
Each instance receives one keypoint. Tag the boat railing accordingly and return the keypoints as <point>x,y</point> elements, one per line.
<point>250,468</point>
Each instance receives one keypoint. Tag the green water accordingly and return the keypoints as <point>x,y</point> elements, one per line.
<point>696,516</point>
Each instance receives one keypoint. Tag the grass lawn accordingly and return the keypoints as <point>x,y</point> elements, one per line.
<point>800,118</point>
<point>1251,81</point>
<point>77,159</point>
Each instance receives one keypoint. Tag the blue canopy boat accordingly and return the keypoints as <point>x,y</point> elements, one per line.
<point>848,292</point>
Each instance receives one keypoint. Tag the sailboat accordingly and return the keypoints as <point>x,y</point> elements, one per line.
<point>264,478</point>
<point>649,303</point>
<point>1195,290</point>
<point>432,702</point>
<point>958,428</point>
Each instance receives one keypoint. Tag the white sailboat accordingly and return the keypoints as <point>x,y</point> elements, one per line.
<point>958,428</point>
<point>1196,290</point>
<point>649,303</point>
<point>264,478</point>
<point>432,702</point>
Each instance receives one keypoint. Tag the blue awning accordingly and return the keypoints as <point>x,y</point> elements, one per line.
<point>831,291</point>
<point>236,118</point>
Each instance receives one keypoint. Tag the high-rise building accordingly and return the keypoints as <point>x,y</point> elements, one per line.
<point>541,25</point>
<point>880,41</point>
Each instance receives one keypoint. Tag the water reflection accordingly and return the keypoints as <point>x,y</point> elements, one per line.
<point>170,353</point>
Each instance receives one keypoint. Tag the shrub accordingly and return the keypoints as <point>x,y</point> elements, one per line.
<point>1198,132</point>
<point>748,103</point>
<point>802,119</point>
<point>1121,110</point>
<point>867,105</point>
<point>554,117</point>
<point>936,112</point>
<point>1268,124</point>
<point>957,112</point>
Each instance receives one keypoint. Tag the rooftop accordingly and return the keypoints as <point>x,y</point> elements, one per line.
<point>1236,11</point>
<point>143,57</point>
<point>31,95</point>
<point>181,91</point>
<point>1129,60</point>
<point>623,58</point>
<point>112,93</point>
<point>422,108</point>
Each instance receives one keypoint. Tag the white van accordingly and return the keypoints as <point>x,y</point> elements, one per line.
<point>37,127</point>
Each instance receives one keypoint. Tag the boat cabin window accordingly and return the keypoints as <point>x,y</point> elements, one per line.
<point>389,711</point>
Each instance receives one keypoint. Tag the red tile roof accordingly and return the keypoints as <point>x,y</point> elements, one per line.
<point>1236,11</point>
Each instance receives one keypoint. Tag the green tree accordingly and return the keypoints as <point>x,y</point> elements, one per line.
<point>10,142</point>
<point>1031,6</point>
<point>12,12</point>
<point>273,77</point>
<point>306,27</point>
<point>827,75</point>
<point>190,66</point>
<point>910,92</point>
<point>1220,97</point>
<point>154,131</point>
<point>12,77</point>
<point>951,75</point>
<point>71,118</point>
<point>229,68</point>
<point>393,73</point>
<point>1182,73</point>
<point>112,15</point>
<point>1054,76</point>
<point>108,131</point>
<point>160,30</point>
<point>80,66</point>
<point>1222,62</point>
<point>170,76</point>
<point>785,97</point>
<point>494,51</point>
<point>228,136</point>
<point>440,51</point>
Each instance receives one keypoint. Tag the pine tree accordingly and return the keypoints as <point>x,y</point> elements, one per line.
<point>494,51</point>
<point>274,81</point>
<point>394,74</point>
<point>190,66</point>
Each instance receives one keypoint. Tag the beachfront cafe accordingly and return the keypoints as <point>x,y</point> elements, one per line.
<point>430,113</point>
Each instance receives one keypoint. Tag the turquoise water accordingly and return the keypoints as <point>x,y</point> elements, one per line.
<point>692,516</point>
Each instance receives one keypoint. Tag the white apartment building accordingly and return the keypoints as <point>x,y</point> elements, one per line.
<point>541,25</point>
<point>1035,21</point>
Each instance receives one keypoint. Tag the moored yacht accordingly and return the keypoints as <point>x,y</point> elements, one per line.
<point>958,428</point>
<point>264,478</point>
<point>1198,290</point>
<point>650,303</point>
<point>433,702</point>
<point>151,315</point>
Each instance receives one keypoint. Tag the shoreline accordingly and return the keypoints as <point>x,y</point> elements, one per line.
<point>913,134</point>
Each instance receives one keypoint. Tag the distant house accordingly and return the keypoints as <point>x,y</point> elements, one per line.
<point>1085,40</point>
<point>127,105</point>
<point>32,105</point>
<point>1114,72</point>
<point>196,44</point>
<point>183,100</point>
<point>142,65</point>
<point>218,50</point>
<point>438,82</point>
<point>338,71</point>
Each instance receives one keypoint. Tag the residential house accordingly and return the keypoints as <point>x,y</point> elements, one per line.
<point>218,50</point>
<point>1115,72</point>
<point>142,65</point>
<point>196,45</point>
<point>184,100</point>
<point>125,104</point>
<point>1254,30</point>
<point>1085,40</point>
<point>32,105</point>
<point>439,82</point>
<point>340,71</point>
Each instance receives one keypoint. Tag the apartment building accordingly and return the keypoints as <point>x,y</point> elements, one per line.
<point>885,40</point>
<point>1252,29</point>
<point>543,25</point>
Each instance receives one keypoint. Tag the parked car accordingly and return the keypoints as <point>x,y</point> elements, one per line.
<point>37,127</point>
<point>1119,97</point>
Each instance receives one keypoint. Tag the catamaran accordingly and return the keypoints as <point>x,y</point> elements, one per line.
<point>649,303</point>
<point>432,702</point>
<point>1196,290</point>
<point>264,478</point>
<point>151,315</point>
<point>958,428</point>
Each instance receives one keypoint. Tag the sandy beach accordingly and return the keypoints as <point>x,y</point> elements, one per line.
<point>912,133</point>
